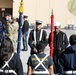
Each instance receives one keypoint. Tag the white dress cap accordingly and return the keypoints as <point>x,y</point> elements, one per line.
<point>38,22</point>
<point>57,24</point>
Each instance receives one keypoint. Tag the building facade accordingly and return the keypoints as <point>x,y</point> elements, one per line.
<point>41,9</point>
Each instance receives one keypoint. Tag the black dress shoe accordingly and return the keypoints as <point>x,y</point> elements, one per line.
<point>26,50</point>
<point>23,49</point>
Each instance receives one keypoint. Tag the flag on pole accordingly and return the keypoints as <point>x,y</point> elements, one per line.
<point>19,45</point>
<point>52,35</point>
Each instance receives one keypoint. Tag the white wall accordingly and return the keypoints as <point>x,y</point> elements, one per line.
<point>41,9</point>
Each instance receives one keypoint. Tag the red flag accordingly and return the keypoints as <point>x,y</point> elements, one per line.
<point>52,35</point>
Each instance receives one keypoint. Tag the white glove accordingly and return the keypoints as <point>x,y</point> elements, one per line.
<point>35,50</point>
<point>34,43</point>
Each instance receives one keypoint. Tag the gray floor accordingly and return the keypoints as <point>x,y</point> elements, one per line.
<point>25,73</point>
<point>25,54</point>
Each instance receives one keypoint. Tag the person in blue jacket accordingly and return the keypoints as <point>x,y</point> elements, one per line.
<point>68,58</point>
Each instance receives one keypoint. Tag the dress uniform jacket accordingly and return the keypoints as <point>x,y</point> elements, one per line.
<point>31,39</point>
<point>60,41</point>
<point>68,61</point>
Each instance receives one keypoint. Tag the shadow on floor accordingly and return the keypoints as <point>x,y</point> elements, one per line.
<point>25,73</point>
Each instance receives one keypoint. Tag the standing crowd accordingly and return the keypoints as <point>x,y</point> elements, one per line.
<point>63,61</point>
<point>10,28</point>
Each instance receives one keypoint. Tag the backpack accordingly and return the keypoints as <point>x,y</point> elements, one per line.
<point>6,69</point>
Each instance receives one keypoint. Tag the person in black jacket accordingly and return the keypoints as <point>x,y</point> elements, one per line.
<point>60,43</point>
<point>10,63</point>
<point>25,29</point>
<point>37,35</point>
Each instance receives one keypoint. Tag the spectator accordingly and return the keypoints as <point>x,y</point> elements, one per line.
<point>68,58</point>
<point>25,29</point>
<point>5,19</point>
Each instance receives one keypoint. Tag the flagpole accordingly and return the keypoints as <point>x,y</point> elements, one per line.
<point>20,27</point>
<point>52,35</point>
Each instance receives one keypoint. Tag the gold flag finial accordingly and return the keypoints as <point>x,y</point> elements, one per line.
<point>21,9</point>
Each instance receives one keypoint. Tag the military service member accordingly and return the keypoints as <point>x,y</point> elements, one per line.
<point>10,31</point>
<point>15,35</point>
<point>37,35</point>
<point>60,43</point>
<point>40,64</point>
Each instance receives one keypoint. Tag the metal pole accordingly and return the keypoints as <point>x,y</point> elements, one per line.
<point>52,35</point>
<point>20,27</point>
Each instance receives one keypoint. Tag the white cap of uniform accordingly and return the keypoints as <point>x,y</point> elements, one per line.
<point>38,22</point>
<point>57,24</point>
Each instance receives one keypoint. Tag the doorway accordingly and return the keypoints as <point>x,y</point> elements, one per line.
<point>3,11</point>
